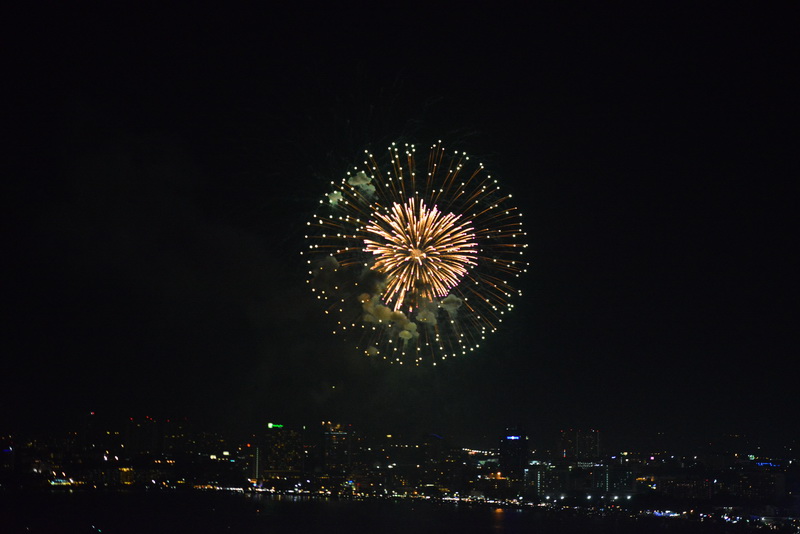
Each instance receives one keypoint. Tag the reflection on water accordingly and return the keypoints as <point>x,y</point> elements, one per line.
<point>498,519</point>
<point>172,512</point>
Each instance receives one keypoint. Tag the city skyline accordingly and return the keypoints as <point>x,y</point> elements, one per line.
<point>164,171</point>
<point>335,459</point>
<point>734,481</point>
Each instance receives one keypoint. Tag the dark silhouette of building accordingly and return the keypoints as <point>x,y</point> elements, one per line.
<point>143,436</point>
<point>580,445</point>
<point>514,453</point>
<point>336,448</point>
<point>280,450</point>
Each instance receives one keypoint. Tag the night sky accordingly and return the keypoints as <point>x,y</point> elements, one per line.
<point>163,166</point>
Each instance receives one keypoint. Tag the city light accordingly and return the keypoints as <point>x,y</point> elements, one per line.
<point>338,460</point>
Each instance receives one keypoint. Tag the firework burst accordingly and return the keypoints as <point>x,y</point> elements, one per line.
<point>416,262</point>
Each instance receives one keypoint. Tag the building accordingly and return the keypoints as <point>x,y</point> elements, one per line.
<point>280,451</point>
<point>514,453</point>
<point>580,445</point>
<point>337,451</point>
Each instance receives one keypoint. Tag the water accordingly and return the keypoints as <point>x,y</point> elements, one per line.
<point>217,512</point>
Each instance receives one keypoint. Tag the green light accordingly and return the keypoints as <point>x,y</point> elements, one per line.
<point>273,425</point>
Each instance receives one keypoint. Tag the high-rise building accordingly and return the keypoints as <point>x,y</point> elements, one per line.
<point>336,448</point>
<point>143,436</point>
<point>280,450</point>
<point>176,435</point>
<point>580,445</point>
<point>514,453</point>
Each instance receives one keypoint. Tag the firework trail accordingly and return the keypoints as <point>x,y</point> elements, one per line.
<point>417,263</point>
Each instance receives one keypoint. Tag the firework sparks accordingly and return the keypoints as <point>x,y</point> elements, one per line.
<point>421,251</point>
<point>417,267</point>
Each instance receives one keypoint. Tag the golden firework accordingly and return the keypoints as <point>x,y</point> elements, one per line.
<point>418,263</point>
<point>423,252</point>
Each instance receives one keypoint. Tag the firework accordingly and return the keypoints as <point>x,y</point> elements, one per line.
<point>417,262</point>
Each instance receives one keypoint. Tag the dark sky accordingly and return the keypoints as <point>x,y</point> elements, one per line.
<point>163,165</point>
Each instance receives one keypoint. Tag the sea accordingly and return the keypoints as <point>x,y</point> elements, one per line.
<point>215,512</point>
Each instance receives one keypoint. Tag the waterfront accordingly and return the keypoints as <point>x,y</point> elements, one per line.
<point>211,512</point>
